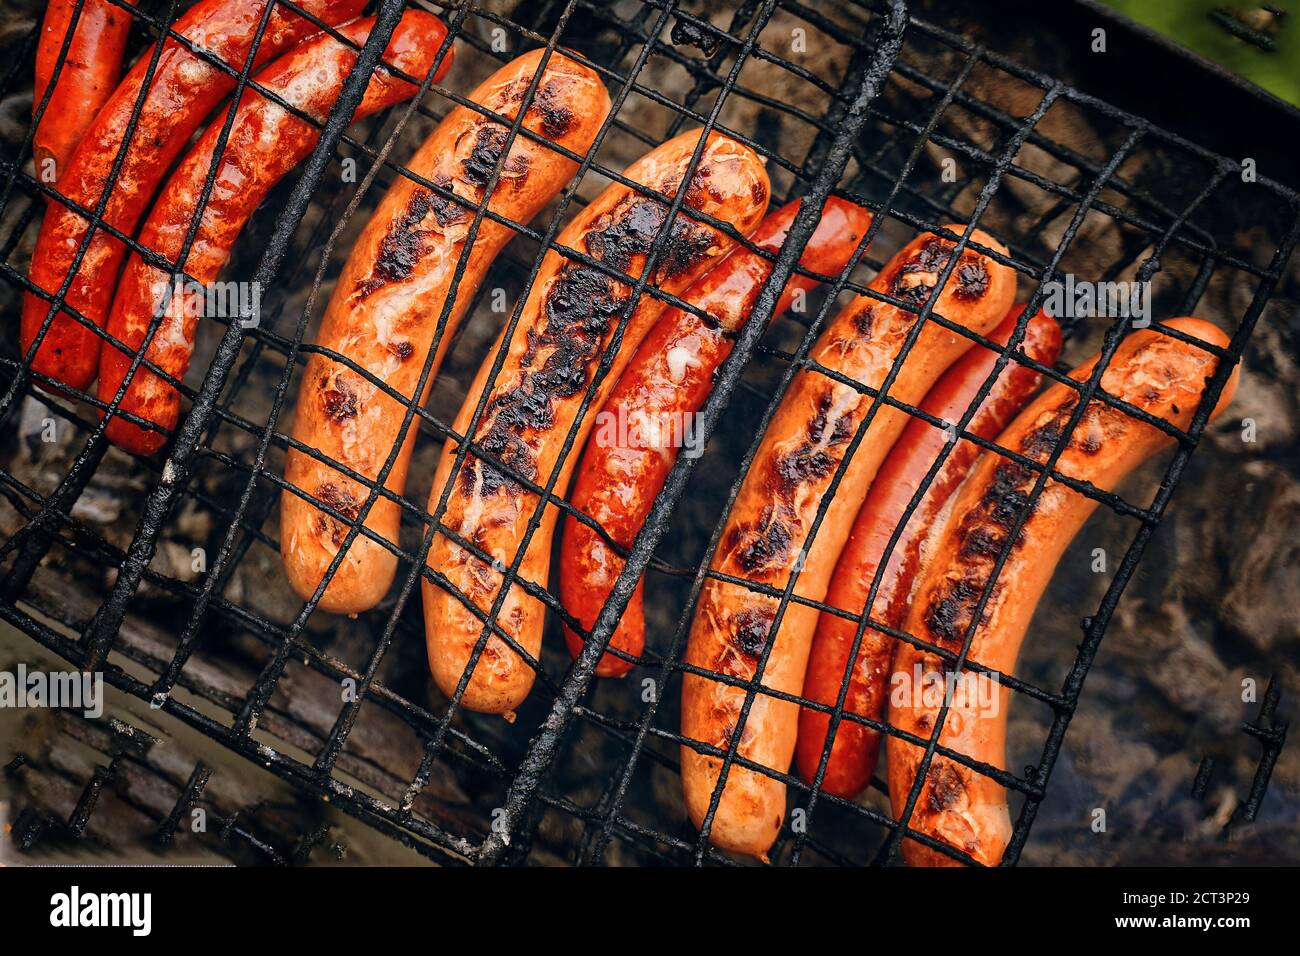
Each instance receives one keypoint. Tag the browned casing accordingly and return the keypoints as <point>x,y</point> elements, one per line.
<point>767,530</point>
<point>385,308</point>
<point>1151,371</point>
<point>668,380</point>
<point>565,327</point>
<point>852,760</point>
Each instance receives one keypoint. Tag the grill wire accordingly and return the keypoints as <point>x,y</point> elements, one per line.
<point>529,783</point>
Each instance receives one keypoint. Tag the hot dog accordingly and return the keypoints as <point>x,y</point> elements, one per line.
<point>1153,372</point>
<point>765,535</point>
<point>184,90</point>
<point>266,141</point>
<point>666,382</point>
<point>565,326</point>
<point>853,755</point>
<point>383,314</point>
<point>89,72</point>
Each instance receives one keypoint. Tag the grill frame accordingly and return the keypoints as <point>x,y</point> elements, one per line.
<point>527,797</point>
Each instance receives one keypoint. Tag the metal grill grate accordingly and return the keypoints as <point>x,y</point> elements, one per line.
<point>897,81</point>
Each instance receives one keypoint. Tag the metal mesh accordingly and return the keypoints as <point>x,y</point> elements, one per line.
<point>589,764</point>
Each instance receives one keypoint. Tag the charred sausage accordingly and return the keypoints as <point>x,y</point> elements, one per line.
<point>663,386</point>
<point>565,326</point>
<point>852,759</point>
<point>958,806</point>
<point>383,314</point>
<point>765,536</point>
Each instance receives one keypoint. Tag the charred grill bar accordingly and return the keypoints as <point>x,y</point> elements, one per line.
<point>883,46</point>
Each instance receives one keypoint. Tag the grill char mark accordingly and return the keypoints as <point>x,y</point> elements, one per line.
<point>750,634</point>
<point>557,118</point>
<point>339,400</point>
<point>812,460</point>
<point>446,211</point>
<point>760,546</point>
<point>1007,496</point>
<point>807,463</point>
<point>817,426</point>
<point>949,613</point>
<point>946,787</point>
<point>916,278</point>
<point>548,104</point>
<point>581,308</point>
<point>865,320</point>
<point>341,501</point>
<point>972,278</point>
<point>400,249</point>
<point>909,283</point>
<point>489,142</point>
<point>982,533</point>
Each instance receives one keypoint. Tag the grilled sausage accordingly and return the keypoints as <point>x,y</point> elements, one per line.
<point>265,143</point>
<point>87,77</point>
<point>852,759</point>
<point>566,325</point>
<point>384,312</point>
<point>663,386</point>
<point>184,90</point>
<point>1153,372</point>
<point>765,535</point>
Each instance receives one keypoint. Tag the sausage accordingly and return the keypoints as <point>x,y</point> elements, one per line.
<point>662,387</point>
<point>853,754</point>
<point>566,324</point>
<point>1153,372</point>
<point>183,91</point>
<point>765,535</point>
<point>87,77</point>
<point>266,142</point>
<point>383,314</point>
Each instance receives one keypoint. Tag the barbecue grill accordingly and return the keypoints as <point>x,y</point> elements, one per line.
<point>872,102</point>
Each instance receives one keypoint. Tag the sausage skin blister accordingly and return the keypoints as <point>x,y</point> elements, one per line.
<point>266,142</point>
<point>766,533</point>
<point>182,93</point>
<point>87,77</point>
<point>564,329</point>
<point>663,386</point>
<point>383,314</point>
<point>1151,371</point>
<point>853,754</point>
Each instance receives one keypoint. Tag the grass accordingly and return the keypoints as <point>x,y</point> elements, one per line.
<point>1200,26</point>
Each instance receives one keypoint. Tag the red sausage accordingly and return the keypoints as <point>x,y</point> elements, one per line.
<point>853,754</point>
<point>184,91</point>
<point>89,72</point>
<point>567,322</point>
<point>266,142</point>
<point>664,386</point>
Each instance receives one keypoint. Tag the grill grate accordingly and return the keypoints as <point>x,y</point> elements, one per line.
<point>902,78</point>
